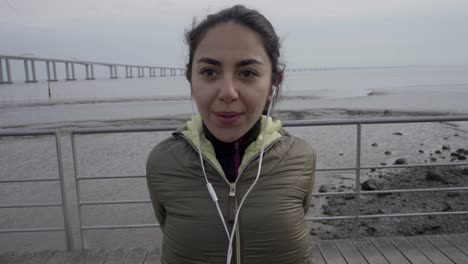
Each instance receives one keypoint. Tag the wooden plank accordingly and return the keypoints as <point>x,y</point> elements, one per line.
<point>370,252</point>
<point>409,250</point>
<point>60,257</point>
<point>448,249</point>
<point>41,257</point>
<point>389,251</point>
<point>7,257</point>
<point>349,251</point>
<point>329,252</point>
<point>464,236</point>
<point>429,250</point>
<point>318,259</point>
<point>136,256</point>
<point>117,256</point>
<point>79,257</point>
<point>21,258</point>
<point>458,241</point>
<point>154,257</point>
<point>98,256</point>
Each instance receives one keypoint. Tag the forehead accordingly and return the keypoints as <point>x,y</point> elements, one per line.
<point>231,42</point>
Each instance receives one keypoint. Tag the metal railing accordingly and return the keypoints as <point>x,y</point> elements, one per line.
<point>302,123</point>
<point>63,202</point>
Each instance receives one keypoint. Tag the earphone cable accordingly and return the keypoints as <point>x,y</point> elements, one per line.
<point>208,184</point>
<point>236,219</point>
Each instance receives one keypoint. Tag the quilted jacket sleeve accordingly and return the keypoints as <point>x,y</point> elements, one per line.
<point>153,167</point>
<point>305,154</point>
<point>309,170</point>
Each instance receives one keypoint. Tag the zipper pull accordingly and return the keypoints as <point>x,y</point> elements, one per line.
<point>232,190</point>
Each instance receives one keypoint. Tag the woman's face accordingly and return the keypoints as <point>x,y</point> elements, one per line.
<point>231,80</point>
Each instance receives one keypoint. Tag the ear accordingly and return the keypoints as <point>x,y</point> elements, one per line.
<point>278,78</point>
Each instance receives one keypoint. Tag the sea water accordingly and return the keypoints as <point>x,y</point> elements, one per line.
<point>437,88</point>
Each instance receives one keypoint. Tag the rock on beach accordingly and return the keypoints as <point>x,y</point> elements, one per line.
<point>400,161</point>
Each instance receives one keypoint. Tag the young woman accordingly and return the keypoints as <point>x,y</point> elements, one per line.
<point>233,185</point>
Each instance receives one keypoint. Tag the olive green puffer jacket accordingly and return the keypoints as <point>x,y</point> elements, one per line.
<point>271,226</point>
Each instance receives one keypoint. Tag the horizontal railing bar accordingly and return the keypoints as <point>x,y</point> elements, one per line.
<point>30,205</point>
<point>347,217</point>
<point>31,180</point>
<point>397,166</point>
<point>110,177</point>
<point>31,230</point>
<point>386,120</point>
<point>119,226</point>
<point>290,123</point>
<point>115,202</point>
<point>416,166</point>
<point>446,189</point>
<point>164,128</point>
<point>17,133</point>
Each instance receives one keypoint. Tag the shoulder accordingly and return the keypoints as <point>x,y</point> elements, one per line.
<point>297,147</point>
<point>164,154</point>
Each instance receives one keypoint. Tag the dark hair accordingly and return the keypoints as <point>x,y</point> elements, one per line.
<point>249,18</point>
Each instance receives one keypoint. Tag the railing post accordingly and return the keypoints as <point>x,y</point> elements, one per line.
<point>116,76</point>
<point>357,187</point>
<point>66,214</point>
<point>77,189</point>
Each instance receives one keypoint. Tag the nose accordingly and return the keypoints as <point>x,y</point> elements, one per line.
<point>228,89</point>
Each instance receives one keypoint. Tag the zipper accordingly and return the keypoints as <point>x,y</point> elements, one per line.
<point>232,203</point>
<point>237,158</point>
<point>232,195</point>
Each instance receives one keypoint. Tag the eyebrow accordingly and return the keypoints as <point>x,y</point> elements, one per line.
<point>241,63</point>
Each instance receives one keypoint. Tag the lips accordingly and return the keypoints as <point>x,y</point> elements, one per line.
<point>227,114</point>
<point>227,118</point>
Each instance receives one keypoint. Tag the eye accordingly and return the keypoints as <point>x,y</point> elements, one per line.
<point>248,74</point>
<point>208,73</point>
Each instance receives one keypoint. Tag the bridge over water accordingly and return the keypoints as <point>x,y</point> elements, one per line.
<point>30,75</point>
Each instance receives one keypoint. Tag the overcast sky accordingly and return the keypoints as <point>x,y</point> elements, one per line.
<point>315,33</point>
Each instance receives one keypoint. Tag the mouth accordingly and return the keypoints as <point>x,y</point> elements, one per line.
<point>227,118</point>
<point>227,114</point>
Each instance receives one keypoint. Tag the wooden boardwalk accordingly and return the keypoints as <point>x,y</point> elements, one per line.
<point>436,249</point>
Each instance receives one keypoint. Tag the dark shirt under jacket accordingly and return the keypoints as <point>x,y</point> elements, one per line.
<point>230,155</point>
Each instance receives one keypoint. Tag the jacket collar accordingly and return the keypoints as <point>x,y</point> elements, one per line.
<point>272,133</point>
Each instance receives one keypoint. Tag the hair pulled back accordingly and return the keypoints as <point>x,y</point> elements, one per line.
<point>249,18</point>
